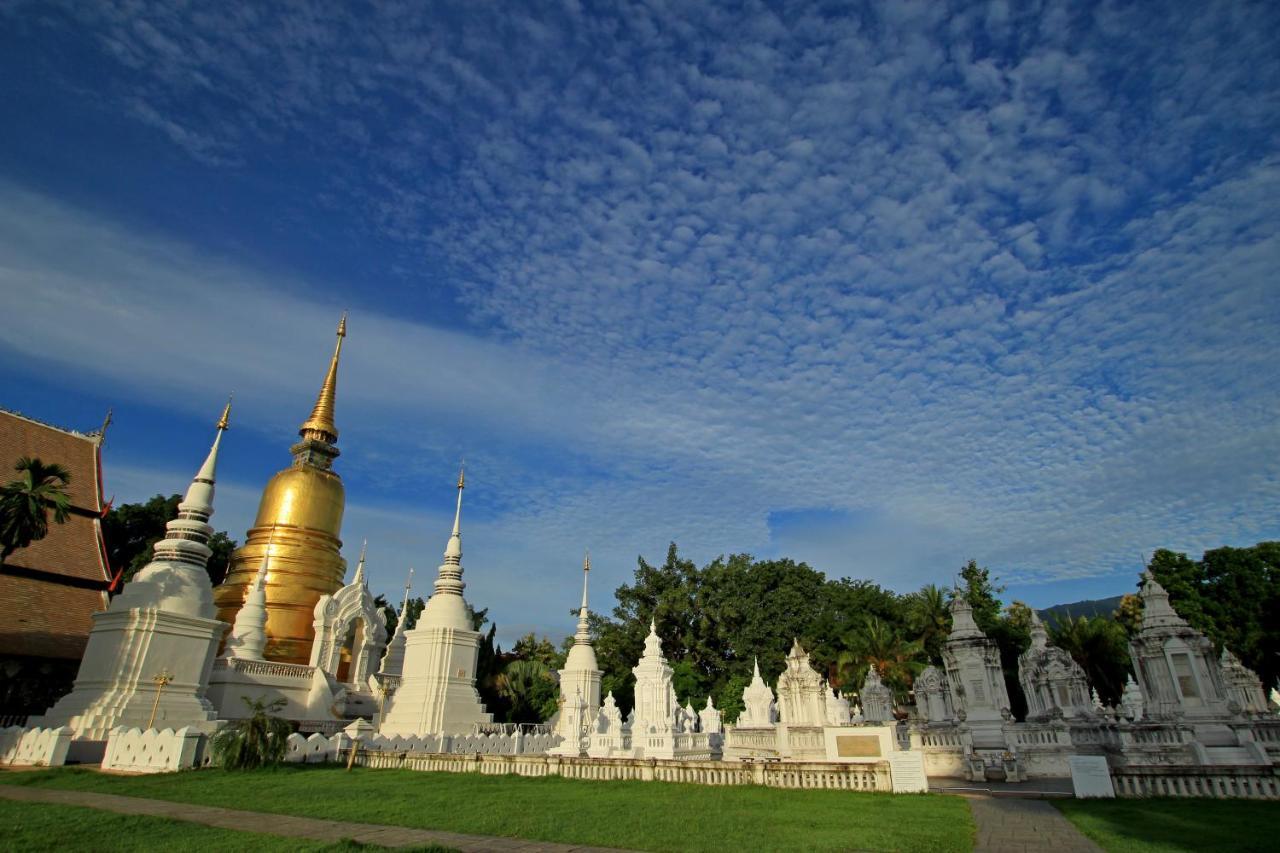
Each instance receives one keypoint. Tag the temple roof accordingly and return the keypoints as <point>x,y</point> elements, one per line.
<point>73,549</point>
<point>49,617</point>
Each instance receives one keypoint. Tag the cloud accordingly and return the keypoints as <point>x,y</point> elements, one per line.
<point>999,282</point>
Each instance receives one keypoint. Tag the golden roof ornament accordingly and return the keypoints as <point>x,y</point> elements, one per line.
<point>321,420</point>
<point>224,422</point>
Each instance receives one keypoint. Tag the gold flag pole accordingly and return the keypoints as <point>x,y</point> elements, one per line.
<point>161,680</point>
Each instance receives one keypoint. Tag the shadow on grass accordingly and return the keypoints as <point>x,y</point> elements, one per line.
<point>1177,825</point>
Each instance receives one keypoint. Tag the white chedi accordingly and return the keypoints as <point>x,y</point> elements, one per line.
<point>877,699</point>
<point>757,700</point>
<point>579,683</point>
<point>248,637</point>
<point>709,718</point>
<point>149,655</point>
<point>608,735</point>
<point>655,699</point>
<point>437,692</point>
<point>393,660</point>
<point>800,691</point>
<point>838,713</point>
<point>1131,700</point>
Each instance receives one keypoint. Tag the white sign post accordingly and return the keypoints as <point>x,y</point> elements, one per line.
<point>906,771</point>
<point>1090,776</point>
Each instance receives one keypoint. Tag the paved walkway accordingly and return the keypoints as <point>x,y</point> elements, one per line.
<point>289,826</point>
<point>1016,825</point>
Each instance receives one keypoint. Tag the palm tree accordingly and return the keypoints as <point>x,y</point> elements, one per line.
<point>1101,648</point>
<point>878,642</point>
<point>526,684</point>
<point>25,504</point>
<point>257,741</point>
<point>930,618</point>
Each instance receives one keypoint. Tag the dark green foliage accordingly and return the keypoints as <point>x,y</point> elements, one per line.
<point>530,689</point>
<point>1233,596</point>
<point>131,531</point>
<point>872,640</point>
<point>715,621</point>
<point>258,741</point>
<point>25,503</point>
<point>929,619</point>
<point>1101,646</point>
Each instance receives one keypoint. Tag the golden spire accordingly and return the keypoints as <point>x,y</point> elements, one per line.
<point>321,419</point>
<point>224,422</point>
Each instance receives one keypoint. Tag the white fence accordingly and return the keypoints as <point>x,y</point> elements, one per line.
<point>820,775</point>
<point>152,750</point>
<point>1251,783</point>
<point>35,747</point>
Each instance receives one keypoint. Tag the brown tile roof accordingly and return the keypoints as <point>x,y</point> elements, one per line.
<point>46,619</point>
<point>42,617</point>
<point>78,453</point>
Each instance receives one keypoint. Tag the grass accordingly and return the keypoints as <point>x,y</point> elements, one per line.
<point>1176,825</point>
<point>41,826</point>
<point>655,816</point>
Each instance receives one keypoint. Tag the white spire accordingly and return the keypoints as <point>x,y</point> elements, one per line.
<point>1039,636</point>
<point>187,536</point>
<point>359,576</point>
<point>403,621</point>
<point>962,624</point>
<point>1157,612</point>
<point>453,551</point>
<point>583,636</point>
<point>446,607</point>
<point>393,659</point>
<point>249,634</point>
<point>199,497</point>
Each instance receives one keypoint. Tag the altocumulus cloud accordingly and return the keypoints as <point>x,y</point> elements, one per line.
<point>982,280</point>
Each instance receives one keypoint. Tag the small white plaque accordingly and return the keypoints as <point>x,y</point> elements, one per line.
<point>906,769</point>
<point>1090,776</point>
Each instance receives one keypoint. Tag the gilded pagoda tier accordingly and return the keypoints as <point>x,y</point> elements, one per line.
<point>300,519</point>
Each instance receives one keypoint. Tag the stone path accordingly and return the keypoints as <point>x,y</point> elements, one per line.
<point>290,826</point>
<point>1016,825</point>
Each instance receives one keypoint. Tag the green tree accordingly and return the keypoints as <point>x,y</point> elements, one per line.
<point>1101,647</point>
<point>25,503</point>
<point>929,619</point>
<point>1129,613</point>
<point>1233,596</point>
<point>982,594</point>
<point>877,642</point>
<point>530,689</point>
<point>130,532</point>
<point>257,741</point>
<point>529,647</point>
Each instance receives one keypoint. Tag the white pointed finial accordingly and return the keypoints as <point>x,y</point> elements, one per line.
<point>359,578</point>
<point>454,548</point>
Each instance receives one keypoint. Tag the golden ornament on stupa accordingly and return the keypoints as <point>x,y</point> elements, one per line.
<point>300,521</point>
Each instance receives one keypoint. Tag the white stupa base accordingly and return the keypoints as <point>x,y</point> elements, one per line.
<point>437,692</point>
<point>116,684</point>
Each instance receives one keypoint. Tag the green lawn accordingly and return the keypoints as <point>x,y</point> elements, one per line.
<point>1176,825</point>
<point>40,826</point>
<point>638,815</point>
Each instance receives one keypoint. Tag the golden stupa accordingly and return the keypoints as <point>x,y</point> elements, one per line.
<point>299,521</point>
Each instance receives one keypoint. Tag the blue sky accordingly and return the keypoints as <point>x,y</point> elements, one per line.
<point>879,287</point>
